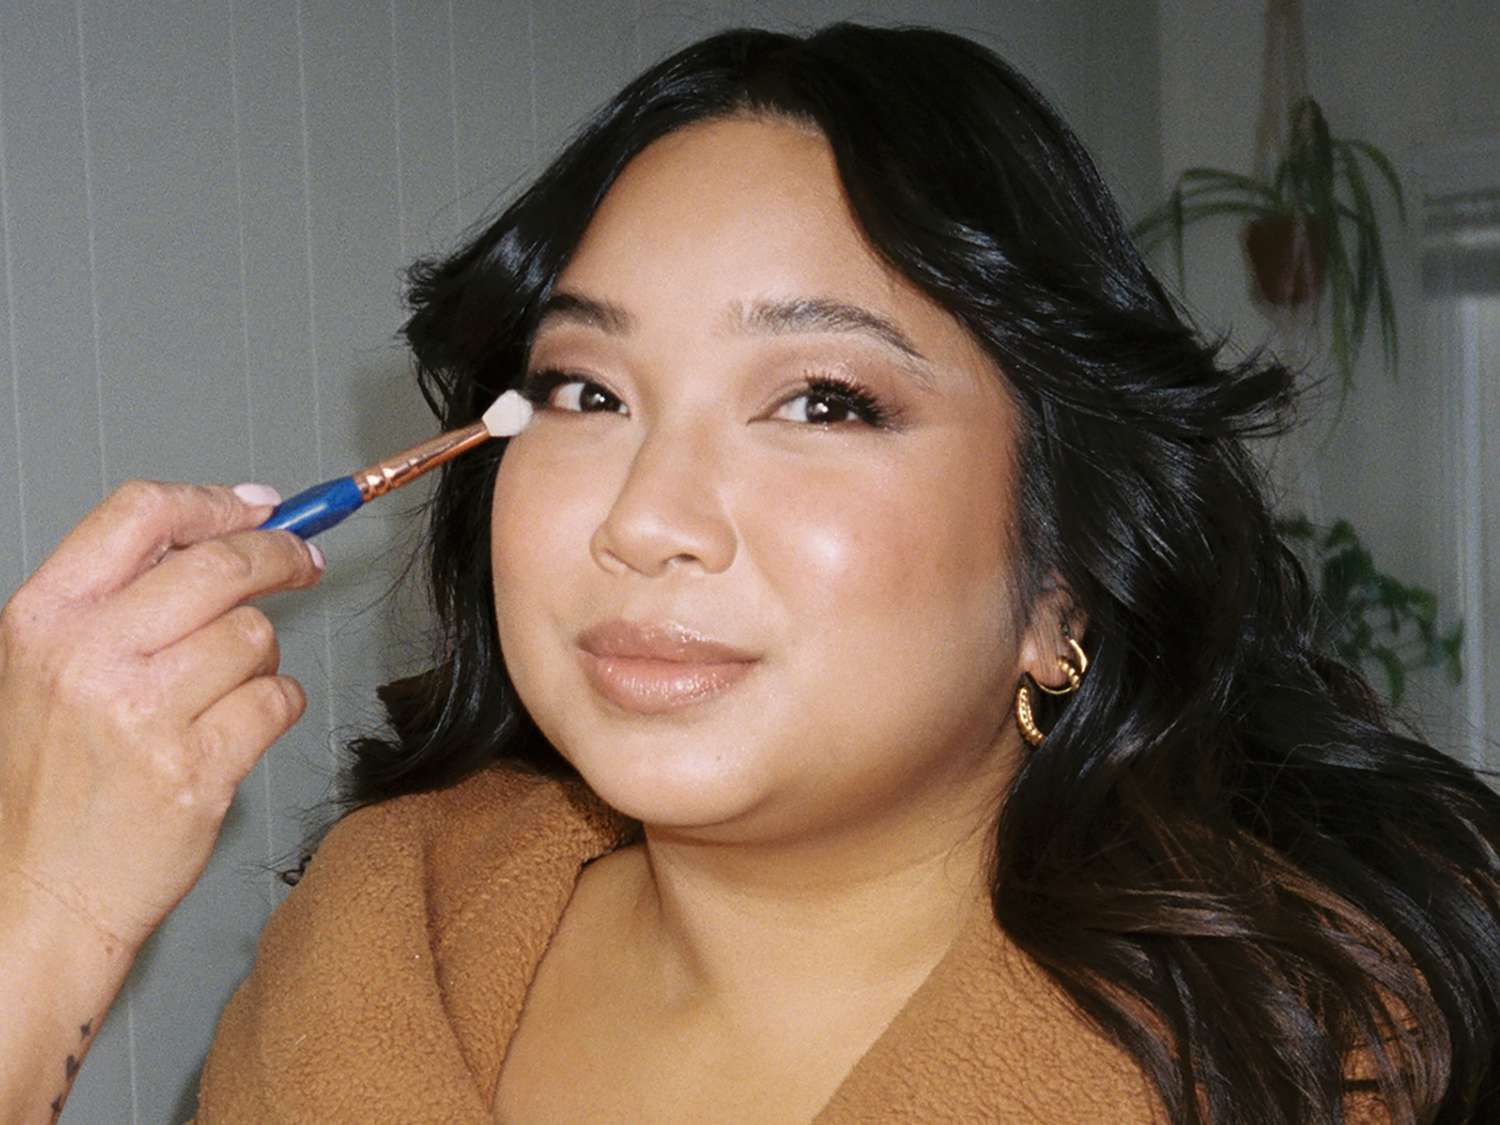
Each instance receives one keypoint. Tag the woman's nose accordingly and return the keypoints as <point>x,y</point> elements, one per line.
<point>669,510</point>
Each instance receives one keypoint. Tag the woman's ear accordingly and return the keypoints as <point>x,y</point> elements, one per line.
<point>1055,617</point>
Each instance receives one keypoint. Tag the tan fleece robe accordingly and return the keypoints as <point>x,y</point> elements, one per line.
<point>389,983</point>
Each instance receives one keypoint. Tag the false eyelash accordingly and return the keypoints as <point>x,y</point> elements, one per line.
<point>853,397</point>
<point>537,386</point>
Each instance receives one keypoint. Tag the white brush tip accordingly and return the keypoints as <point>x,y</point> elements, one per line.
<point>508,416</point>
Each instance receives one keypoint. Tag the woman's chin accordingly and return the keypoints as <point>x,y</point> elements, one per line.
<point>694,788</point>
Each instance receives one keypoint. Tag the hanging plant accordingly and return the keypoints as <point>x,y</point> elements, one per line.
<point>1371,617</point>
<point>1311,224</point>
<point>1310,231</point>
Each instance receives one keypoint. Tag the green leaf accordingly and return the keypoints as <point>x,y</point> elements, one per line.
<point>1389,336</point>
<point>1342,534</point>
<point>1336,583</point>
<point>1323,179</point>
<point>1423,603</point>
<point>1364,274</point>
<point>1216,179</point>
<point>1455,669</point>
<point>1384,166</point>
<point>1373,617</point>
<point>1395,672</point>
<point>1295,527</point>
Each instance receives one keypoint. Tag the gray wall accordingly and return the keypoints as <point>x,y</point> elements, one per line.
<point>204,209</point>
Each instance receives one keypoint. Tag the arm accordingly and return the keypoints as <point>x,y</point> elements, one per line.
<point>61,976</point>
<point>136,692</point>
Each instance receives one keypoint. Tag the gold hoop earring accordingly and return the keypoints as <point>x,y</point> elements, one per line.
<point>1025,720</point>
<point>1073,669</point>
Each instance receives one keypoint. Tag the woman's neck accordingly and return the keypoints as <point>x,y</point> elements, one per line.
<point>769,928</point>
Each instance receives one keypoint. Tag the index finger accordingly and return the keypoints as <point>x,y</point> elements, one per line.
<point>196,585</point>
<point>137,525</point>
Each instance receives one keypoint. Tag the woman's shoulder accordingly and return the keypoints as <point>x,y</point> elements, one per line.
<point>503,798</point>
<point>445,838</point>
<point>483,793</point>
<point>417,867</point>
<point>416,893</point>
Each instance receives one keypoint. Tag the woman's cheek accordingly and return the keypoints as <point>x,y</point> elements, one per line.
<point>835,546</point>
<point>523,550</point>
<point>538,550</point>
<point>543,500</point>
<point>509,517</point>
<point>869,527</point>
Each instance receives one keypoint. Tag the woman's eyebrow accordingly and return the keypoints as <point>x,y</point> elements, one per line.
<point>565,307</point>
<point>824,314</point>
<point>760,318</point>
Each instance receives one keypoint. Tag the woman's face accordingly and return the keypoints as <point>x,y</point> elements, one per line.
<point>684,475</point>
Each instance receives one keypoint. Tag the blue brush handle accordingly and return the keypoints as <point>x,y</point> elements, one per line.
<point>316,509</point>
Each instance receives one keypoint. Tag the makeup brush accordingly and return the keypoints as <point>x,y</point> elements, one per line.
<point>323,505</point>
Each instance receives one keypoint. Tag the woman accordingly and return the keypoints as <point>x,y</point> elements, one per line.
<point>738,793</point>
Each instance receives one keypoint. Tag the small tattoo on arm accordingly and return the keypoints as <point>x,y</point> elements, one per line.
<point>70,1068</point>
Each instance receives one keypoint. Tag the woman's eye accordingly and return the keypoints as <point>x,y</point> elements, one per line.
<point>584,397</point>
<point>831,402</point>
<point>814,408</point>
<point>570,394</point>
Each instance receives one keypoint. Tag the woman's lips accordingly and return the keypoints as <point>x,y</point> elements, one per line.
<point>654,666</point>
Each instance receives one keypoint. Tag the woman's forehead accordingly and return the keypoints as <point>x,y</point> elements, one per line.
<point>738,193</point>
<point>742,223</point>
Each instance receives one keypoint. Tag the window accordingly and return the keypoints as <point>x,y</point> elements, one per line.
<point>1461,295</point>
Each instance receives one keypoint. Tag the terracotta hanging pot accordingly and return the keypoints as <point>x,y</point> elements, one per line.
<point>1288,255</point>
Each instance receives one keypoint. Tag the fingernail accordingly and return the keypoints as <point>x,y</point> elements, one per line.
<point>317,556</point>
<point>257,494</point>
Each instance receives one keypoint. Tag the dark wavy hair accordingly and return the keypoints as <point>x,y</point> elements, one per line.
<point>1224,852</point>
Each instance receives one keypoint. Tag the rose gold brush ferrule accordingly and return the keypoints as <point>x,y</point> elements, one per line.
<point>383,476</point>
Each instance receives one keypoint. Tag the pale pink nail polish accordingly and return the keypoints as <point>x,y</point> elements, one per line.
<point>257,494</point>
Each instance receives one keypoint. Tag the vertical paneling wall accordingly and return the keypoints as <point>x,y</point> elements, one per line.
<point>204,209</point>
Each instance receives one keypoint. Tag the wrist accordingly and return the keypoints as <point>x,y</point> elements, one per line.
<point>52,917</point>
<point>61,972</point>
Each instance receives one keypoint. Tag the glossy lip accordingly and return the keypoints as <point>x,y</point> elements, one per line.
<point>654,667</point>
